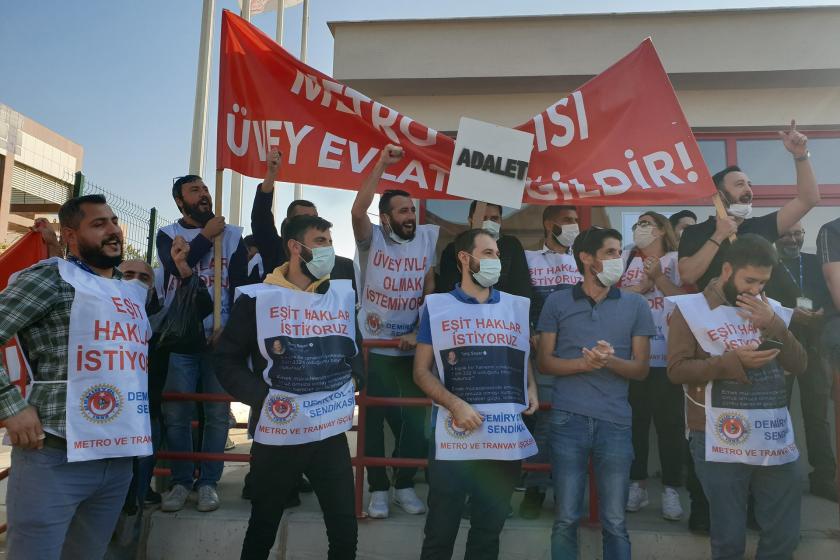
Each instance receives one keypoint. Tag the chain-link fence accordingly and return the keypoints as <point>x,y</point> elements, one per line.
<point>140,225</point>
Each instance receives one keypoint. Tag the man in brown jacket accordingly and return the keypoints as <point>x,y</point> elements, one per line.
<point>741,437</point>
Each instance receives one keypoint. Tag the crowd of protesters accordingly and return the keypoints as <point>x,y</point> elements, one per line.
<point>613,339</point>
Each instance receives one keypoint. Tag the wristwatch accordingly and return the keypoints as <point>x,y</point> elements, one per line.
<point>803,157</point>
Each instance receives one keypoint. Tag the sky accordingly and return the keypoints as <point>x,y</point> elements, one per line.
<point>118,77</point>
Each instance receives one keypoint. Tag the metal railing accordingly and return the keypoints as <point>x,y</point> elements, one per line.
<point>360,461</point>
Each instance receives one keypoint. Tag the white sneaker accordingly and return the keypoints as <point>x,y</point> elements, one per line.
<point>671,507</point>
<point>637,498</point>
<point>378,506</point>
<point>174,499</point>
<point>408,500</point>
<point>208,499</point>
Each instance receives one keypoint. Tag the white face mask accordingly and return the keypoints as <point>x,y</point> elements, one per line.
<point>740,210</point>
<point>493,227</point>
<point>488,273</point>
<point>393,236</point>
<point>322,261</point>
<point>146,288</point>
<point>613,270</point>
<point>568,234</point>
<point>643,236</point>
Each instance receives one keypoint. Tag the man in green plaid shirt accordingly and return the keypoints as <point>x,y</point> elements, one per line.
<point>57,509</point>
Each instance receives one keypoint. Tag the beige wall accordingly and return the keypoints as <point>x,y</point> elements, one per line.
<point>689,43</point>
<point>742,69</point>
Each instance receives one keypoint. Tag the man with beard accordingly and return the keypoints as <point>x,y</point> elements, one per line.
<point>192,369</point>
<point>65,492</point>
<point>395,260</point>
<point>551,268</point>
<point>730,348</point>
<point>702,247</point>
<point>479,438</point>
<point>594,339</point>
<point>798,283</point>
<point>270,244</point>
<point>303,400</point>
<point>514,279</point>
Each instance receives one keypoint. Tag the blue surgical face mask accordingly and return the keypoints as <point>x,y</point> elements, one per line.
<point>488,273</point>
<point>322,261</point>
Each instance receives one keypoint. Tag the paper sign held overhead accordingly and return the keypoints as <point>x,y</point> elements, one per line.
<point>490,163</point>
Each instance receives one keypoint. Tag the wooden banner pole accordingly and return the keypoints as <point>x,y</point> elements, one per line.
<point>721,212</point>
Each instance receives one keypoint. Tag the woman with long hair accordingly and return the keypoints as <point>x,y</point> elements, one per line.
<point>651,270</point>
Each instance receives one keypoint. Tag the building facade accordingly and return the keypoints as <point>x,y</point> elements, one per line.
<point>37,172</point>
<point>740,76</point>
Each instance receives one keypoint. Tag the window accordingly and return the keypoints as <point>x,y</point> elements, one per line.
<point>714,154</point>
<point>767,162</point>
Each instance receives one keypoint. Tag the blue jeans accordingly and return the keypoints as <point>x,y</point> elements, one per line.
<point>777,504</point>
<point>63,510</point>
<point>573,439</point>
<point>188,372</point>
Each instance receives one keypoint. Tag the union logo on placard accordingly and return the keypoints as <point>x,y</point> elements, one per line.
<point>373,323</point>
<point>732,428</point>
<point>280,409</point>
<point>455,430</point>
<point>101,404</point>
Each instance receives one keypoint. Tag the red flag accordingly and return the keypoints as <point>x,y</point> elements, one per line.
<point>25,252</point>
<point>621,139</point>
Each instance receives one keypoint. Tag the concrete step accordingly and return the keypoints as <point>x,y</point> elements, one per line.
<point>190,535</point>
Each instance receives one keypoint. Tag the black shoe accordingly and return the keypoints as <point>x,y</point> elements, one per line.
<point>292,500</point>
<point>152,498</point>
<point>827,490</point>
<point>531,505</point>
<point>698,520</point>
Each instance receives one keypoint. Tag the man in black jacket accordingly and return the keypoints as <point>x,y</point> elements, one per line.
<point>797,282</point>
<point>269,243</point>
<point>299,331</point>
<point>515,278</point>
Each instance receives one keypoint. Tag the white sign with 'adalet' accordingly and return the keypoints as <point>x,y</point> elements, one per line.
<point>490,163</point>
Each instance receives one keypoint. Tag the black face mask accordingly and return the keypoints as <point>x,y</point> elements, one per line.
<point>730,292</point>
<point>202,217</point>
<point>93,255</point>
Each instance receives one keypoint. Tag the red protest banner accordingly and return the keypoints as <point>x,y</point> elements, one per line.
<point>25,252</point>
<point>619,140</point>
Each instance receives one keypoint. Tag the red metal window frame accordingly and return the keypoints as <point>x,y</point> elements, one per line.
<point>764,195</point>
<point>772,195</point>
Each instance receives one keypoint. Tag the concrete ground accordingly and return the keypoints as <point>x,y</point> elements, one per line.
<point>189,534</point>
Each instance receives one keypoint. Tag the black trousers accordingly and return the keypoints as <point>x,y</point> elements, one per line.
<point>489,485</point>
<point>276,470</point>
<point>814,389</point>
<point>391,376</point>
<point>657,399</point>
